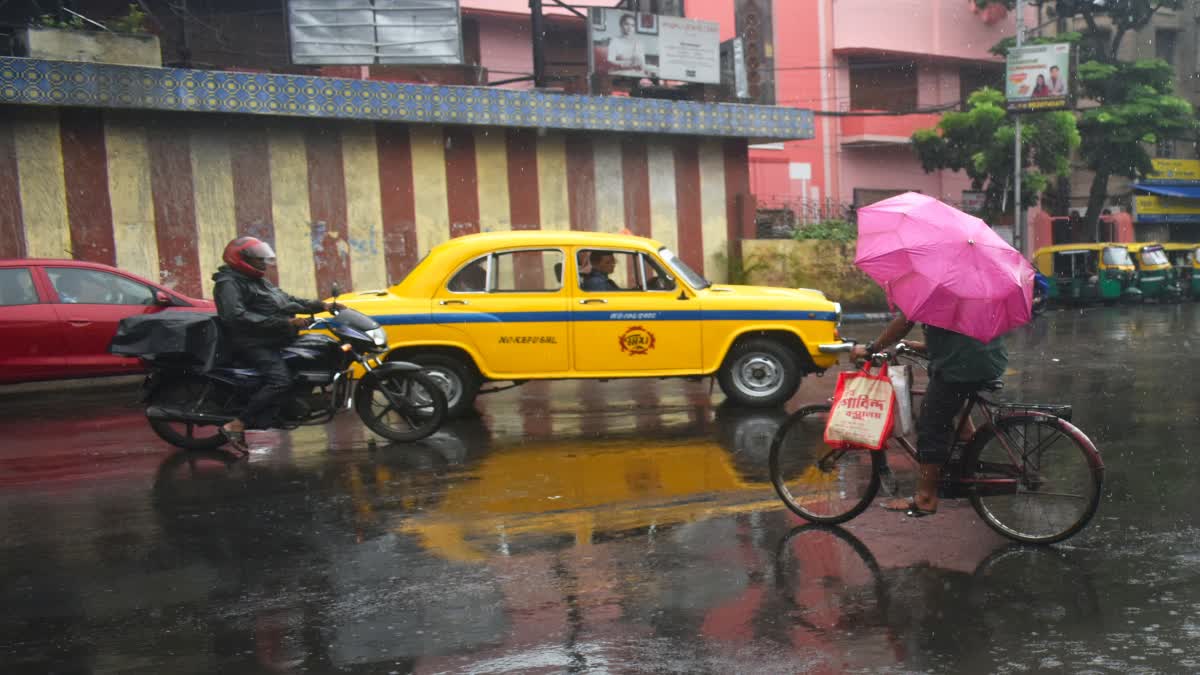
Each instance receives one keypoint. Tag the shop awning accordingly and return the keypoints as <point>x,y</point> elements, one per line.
<point>1180,191</point>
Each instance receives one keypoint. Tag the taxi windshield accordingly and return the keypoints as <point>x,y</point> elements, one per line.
<point>694,279</point>
<point>1154,256</point>
<point>1117,255</point>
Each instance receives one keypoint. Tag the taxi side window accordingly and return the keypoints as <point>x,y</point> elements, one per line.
<point>472,278</point>
<point>527,271</point>
<point>657,278</point>
<point>524,271</point>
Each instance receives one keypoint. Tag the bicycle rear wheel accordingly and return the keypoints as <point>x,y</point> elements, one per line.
<point>819,483</point>
<point>1036,478</point>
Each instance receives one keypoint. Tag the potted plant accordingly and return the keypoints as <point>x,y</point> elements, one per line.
<point>71,36</point>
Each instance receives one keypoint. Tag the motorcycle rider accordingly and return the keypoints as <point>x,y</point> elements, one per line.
<point>259,320</point>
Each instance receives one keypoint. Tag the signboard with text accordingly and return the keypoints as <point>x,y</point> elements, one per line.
<point>1174,171</point>
<point>1037,77</point>
<point>634,44</point>
<point>1158,209</point>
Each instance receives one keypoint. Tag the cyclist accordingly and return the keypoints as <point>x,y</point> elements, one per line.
<point>959,365</point>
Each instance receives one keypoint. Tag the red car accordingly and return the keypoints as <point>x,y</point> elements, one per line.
<point>57,317</point>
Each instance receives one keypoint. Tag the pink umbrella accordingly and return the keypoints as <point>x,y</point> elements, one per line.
<point>943,267</point>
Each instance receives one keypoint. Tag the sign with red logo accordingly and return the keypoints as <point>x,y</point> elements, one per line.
<point>636,340</point>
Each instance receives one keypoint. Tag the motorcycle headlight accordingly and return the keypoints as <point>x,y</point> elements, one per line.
<point>378,337</point>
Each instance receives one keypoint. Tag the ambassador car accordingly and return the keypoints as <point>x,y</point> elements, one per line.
<point>512,307</point>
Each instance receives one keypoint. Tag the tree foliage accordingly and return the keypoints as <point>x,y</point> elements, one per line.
<point>979,141</point>
<point>1137,105</point>
<point>1123,16</point>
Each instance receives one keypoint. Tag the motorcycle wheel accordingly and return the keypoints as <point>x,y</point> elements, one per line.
<point>179,393</point>
<point>403,406</point>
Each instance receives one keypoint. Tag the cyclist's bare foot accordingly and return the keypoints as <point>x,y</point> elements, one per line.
<point>911,507</point>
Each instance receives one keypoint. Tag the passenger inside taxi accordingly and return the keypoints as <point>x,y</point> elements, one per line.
<point>602,265</point>
<point>470,279</point>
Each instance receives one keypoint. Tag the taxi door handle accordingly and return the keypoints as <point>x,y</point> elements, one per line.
<point>452,302</point>
<point>588,301</point>
<point>80,324</point>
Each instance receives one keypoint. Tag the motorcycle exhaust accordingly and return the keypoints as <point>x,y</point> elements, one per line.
<point>165,414</point>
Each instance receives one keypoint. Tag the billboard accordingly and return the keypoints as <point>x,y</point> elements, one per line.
<point>634,44</point>
<point>1174,171</point>
<point>754,24</point>
<point>1037,77</point>
<point>1157,209</point>
<point>362,32</point>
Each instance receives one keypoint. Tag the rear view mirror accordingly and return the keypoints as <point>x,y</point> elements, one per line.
<point>336,290</point>
<point>161,298</point>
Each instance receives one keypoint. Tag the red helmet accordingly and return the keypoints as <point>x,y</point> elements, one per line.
<point>249,256</point>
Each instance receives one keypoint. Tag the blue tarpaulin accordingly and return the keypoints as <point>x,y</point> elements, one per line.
<point>1180,191</point>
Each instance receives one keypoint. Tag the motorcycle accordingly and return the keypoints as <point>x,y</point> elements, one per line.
<point>394,399</point>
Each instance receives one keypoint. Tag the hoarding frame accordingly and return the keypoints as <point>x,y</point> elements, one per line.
<point>1046,102</point>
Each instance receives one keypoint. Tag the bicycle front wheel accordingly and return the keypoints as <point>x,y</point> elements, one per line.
<point>819,483</point>
<point>1034,479</point>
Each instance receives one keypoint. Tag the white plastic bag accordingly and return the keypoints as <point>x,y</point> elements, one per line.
<point>901,378</point>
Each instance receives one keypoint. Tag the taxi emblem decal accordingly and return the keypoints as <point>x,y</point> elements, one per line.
<point>636,340</point>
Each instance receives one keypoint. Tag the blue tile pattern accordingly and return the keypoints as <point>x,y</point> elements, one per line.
<point>64,83</point>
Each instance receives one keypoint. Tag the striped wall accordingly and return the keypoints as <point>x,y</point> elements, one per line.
<point>354,201</point>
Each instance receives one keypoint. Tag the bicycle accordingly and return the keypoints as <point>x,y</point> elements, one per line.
<point>1030,474</point>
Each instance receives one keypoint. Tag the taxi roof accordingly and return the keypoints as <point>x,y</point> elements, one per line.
<point>490,240</point>
<point>1180,246</point>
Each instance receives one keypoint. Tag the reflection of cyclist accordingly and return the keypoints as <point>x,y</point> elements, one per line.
<point>958,366</point>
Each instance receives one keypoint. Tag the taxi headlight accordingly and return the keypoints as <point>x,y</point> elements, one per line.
<point>378,337</point>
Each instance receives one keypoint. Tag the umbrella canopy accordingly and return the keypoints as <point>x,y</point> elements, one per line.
<point>943,267</point>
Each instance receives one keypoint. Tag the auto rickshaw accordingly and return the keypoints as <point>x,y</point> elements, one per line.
<point>1185,258</point>
<point>1088,272</point>
<point>1156,277</point>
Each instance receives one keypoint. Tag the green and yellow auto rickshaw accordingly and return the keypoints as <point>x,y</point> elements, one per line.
<point>1185,258</point>
<point>1088,272</point>
<point>1156,277</point>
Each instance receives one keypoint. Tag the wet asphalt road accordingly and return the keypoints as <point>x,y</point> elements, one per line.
<point>610,527</point>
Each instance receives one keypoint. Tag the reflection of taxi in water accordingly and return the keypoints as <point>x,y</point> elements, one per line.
<point>512,306</point>
<point>1184,259</point>
<point>1156,277</point>
<point>1088,272</point>
<point>584,491</point>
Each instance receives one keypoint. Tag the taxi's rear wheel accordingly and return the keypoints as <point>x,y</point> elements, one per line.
<point>458,379</point>
<point>759,372</point>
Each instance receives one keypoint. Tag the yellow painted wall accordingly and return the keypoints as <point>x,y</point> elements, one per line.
<point>824,265</point>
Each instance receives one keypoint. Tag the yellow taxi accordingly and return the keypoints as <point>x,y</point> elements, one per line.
<point>540,305</point>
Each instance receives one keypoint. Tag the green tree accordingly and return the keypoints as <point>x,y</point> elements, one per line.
<point>1137,108</point>
<point>1137,105</point>
<point>979,141</point>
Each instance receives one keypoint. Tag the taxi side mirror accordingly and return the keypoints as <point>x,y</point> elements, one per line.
<point>161,298</point>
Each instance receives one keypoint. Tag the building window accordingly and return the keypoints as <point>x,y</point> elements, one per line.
<point>883,85</point>
<point>977,76</point>
<point>1164,45</point>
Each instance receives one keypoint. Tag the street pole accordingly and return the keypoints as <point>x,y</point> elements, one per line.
<point>1018,211</point>
<point>537,30</point>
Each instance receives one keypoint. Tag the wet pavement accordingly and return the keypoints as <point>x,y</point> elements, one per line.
<point>593,527</point>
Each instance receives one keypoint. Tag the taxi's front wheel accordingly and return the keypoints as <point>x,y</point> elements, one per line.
<point>760,373</point>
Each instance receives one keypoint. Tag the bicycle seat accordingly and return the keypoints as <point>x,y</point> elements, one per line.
<point>992,385</point>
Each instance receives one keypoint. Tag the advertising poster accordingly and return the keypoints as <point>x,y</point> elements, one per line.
<point>1174,171</point>
<point>1037,77</point>
<point>634,44</point>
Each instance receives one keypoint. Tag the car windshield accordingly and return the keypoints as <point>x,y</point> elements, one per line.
<point>693,279</point>
<point>1117,255</point>
<point>1154,256</point>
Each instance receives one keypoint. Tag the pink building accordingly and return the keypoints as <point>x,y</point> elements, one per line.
<point>841,57</point>
<point>853,56</point>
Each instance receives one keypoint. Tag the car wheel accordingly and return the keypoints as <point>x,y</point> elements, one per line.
<point>760,373</point>
<point>457,377</point>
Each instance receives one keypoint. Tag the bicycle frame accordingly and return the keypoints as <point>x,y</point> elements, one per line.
<point>1017,458</point>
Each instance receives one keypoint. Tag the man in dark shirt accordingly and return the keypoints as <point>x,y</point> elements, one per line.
<point>259,320</point>
<point>958,366</point>
<point>603,264</point>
